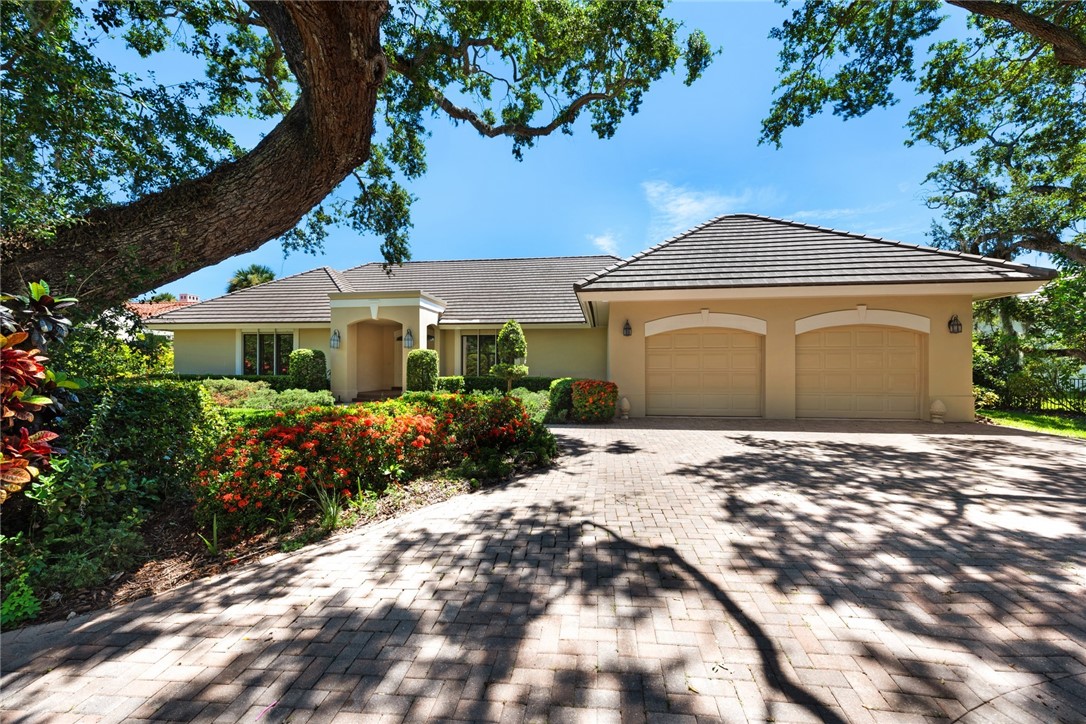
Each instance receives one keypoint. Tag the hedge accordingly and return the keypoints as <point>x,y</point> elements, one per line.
<point>561,398</point>
<point>276,382</point>
<point>485,383</point>
<point>308,370</point>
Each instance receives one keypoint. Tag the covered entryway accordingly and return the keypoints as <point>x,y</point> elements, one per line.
<point>704,371</point>
<point>859,372</point>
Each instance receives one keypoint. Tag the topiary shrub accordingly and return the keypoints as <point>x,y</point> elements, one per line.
<point>308,370</point>
<point>450,384</point>
<point>594,400</point>
<point>561,399</point>
<point>512,351</point>
<point>422,370</point>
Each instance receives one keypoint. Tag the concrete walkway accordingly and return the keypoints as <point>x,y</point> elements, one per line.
<point>666,571</point>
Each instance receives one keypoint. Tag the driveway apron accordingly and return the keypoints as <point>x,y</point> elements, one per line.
<point>663,570</point>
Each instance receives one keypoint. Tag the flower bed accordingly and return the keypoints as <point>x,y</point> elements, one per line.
<point>265,468</point>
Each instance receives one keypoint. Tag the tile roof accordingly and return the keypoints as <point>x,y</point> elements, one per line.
<point>479,291</point>
<point>490,291</point>
<point>298,298</point>
<point>744,250</point>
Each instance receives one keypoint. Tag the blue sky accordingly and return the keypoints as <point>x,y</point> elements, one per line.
<point>690,154</point>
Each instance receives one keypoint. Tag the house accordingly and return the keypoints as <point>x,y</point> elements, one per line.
<point>146,310</point>
<point>743,315</point>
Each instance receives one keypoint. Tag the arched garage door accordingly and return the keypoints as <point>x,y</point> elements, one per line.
<point>858,372</point>
<point>709,372</point>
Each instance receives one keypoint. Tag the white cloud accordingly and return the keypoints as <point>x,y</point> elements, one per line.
<point>606,242</point>
<point>841,213</point>
<point>678,208</point>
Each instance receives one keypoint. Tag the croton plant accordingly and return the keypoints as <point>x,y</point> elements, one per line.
<point>31,393</point>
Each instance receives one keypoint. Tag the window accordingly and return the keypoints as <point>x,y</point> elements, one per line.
<point>479,353</point>
<point>267,353</point>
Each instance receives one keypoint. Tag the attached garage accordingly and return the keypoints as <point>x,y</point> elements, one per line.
<point>704,372</point>
<point>859,372</point>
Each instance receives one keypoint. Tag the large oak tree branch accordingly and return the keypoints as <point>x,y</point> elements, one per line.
<point>1035,240</point>
<point>1069,47</point>
<point>335,51</point>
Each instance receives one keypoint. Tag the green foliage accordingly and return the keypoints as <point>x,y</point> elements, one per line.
<point>258,395</point>
<point>450,384</point>
<point>20,604</point>
<point>422,370</point>
<point>1052,423</point>
<point>561,398</point>
<point>1057,315</point>
<point>308,370</point>
<point>1045,379</point>
<point>1000,102</point>
<point>985,399</point>
<point>512,352</point>
<point>536,403</point>
<point>249,276</point>
<point>275,382</point>
<point>96,353</point>
<point>81,133</point>
<point>486,383</point>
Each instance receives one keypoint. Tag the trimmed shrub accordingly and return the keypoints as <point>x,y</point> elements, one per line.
<point>985,399</point>
<point>308,370</point>
<point>450,384</point>
<point>297,399</point>
<point>422,370</point>
<point>535,384</point>
<point>512,352</point>
<point>483,383</point>
<point>276,382</point>
<point>561,398</point>
<point>594,400</point>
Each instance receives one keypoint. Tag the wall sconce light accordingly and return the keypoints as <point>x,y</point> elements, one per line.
<point>334,341</point>
<point>627,330</point>
<point>408,339</point>
<point>954,325</point>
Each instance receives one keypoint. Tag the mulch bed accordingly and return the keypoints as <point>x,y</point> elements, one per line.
<point>176,554</point>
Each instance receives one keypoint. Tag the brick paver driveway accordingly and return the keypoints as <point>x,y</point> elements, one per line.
<point>741,571</point>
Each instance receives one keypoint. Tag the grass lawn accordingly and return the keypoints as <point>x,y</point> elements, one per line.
<point>1054,424</point>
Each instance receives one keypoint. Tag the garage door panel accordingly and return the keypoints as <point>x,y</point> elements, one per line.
<point>866,372</point>
<point>704,372</point>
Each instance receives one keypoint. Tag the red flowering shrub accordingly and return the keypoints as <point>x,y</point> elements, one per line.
<point>262,469</point>
<point>594,400</point>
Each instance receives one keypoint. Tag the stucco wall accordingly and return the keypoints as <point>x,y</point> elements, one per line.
<point>211,351</point>
<point>947,373</point>
<point>314,339</point>
<point>567,352</point>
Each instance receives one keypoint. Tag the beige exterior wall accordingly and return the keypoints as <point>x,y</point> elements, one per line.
<point>206,351</point>
<point>947,367</point>
<point>313,339</point>
<point>574,352</point>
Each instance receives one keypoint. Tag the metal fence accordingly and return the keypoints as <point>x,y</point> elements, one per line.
<point>1068,396</point>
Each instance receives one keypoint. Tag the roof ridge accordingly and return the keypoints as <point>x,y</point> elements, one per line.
<point>607,270</point>
<point>507,258</point>
<point>338,279</point>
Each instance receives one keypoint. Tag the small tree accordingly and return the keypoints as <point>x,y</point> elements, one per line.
<point>307,370</point>
<point>422,370</point>
<point>512,354</point>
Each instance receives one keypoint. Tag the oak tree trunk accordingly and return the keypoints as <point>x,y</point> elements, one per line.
<point>334,51</point>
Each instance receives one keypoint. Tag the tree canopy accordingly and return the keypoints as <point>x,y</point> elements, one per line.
<point>249,276</point>
<point>1006,104</point>
<point>116,181</point>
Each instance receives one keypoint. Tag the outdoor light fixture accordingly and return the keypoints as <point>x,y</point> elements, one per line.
<point>334,341</point>
<point>627,330</point>
<point>408,339</point>
<point>954,325</point>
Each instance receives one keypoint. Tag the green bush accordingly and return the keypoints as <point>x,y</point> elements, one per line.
<point>422,370</point>
<point>229,393</point>
<point>275,382</point>
<point>482,383</point>
<point>308,370</point>
<point>297,399</point>
<point>985,399</point>
<point>450,384</point>
<point>99,354</point>
<point>536,403</point>
<point>561,398</point>
<point>512,353</point>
